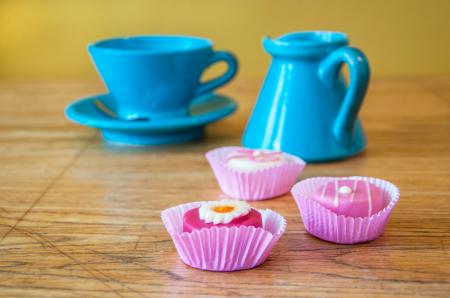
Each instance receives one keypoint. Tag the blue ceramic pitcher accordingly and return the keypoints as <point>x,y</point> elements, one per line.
<point>304,106</point>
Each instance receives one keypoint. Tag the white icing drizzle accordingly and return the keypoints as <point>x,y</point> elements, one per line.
<point>369,198</point>
<point>323,191</point>
<point>336,194</point>
<point>355,185</point>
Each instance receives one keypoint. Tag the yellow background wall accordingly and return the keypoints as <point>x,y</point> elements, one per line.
<point>48,38</point>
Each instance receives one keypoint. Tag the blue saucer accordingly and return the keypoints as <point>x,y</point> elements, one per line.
<point>203,110</point>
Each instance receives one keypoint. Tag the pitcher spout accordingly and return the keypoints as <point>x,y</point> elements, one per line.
<point>305,44</point>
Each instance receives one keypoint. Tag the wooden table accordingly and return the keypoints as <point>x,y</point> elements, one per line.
<point>79,217</point>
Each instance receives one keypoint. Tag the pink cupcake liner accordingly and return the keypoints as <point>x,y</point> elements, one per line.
<point>224,248</point>
<point>257,185</point>
<point>327,225</point>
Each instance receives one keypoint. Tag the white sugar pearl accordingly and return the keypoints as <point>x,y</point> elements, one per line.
<point>345,190</point>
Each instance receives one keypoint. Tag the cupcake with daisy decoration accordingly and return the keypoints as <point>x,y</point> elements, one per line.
<point>225,235</point>
<point>254,174</point>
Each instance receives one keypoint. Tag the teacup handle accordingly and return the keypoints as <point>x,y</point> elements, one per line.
<point>359,69</point>
<point>212,84</point>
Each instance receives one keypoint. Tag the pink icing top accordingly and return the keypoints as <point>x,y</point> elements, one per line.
<point>350,197</point>
<point>192,221</point>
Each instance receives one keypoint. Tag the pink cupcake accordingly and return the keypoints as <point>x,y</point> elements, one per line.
<point>225,235</point>
<point>345,210</point>
<point>249,174</point>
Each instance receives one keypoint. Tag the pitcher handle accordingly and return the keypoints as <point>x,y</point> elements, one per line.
<point>359,79</point>
<point>212,84</point>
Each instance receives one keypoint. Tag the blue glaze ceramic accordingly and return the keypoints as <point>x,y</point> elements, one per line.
<point>156,76</point>
<point>202,111</point>
<point>304,106</point>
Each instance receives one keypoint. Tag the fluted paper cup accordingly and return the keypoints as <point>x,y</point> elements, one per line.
<point>224,248</point>
<point>327,225</point>
<point>255,185</point>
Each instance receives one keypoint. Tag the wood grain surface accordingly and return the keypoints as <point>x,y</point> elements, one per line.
<point>79,217</point>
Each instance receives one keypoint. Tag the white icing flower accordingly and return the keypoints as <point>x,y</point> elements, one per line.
<point>223,212</point>
<point>248,160</point>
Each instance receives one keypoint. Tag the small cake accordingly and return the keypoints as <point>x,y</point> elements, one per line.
<point>350,197</point>
<point>225,235</point>
<point>345,210</point>
<point>228,213</point>
<point>248,160</point>
<point>250,174</point>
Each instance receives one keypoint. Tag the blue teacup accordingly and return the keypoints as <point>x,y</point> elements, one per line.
<point>157,76</point>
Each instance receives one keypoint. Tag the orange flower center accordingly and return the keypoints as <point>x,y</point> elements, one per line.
<point>223,209</point>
